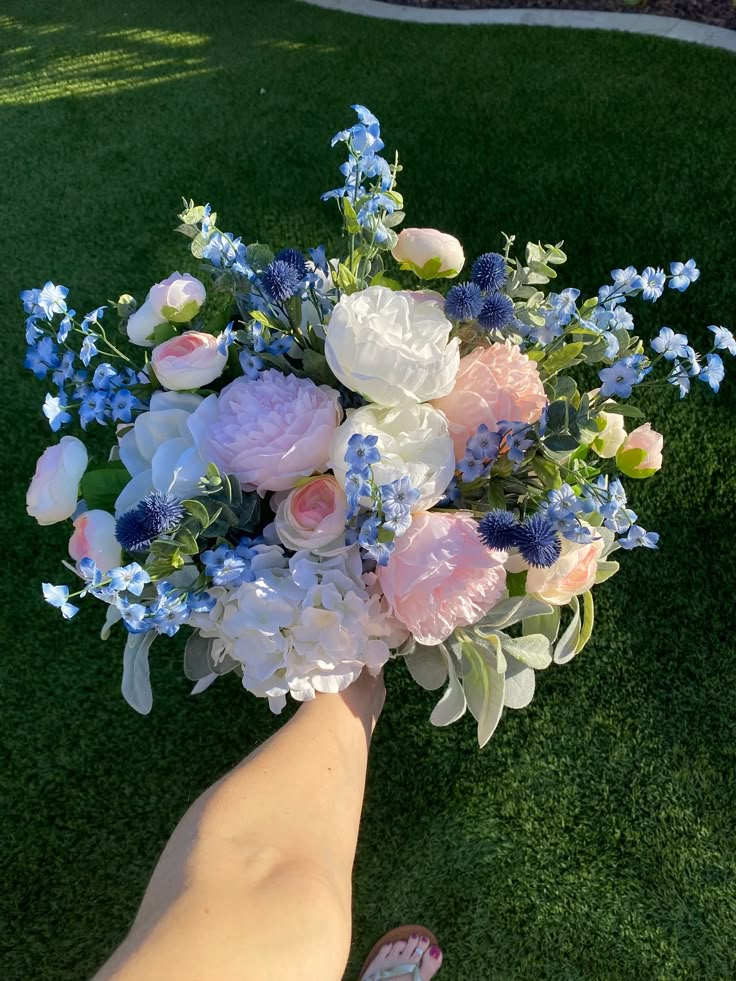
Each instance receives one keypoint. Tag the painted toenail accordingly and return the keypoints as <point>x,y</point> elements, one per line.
<point>424,940</point>
<point>434,952</point>
<point>413,936</point>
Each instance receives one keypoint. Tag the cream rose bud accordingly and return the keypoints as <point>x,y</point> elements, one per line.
<point>572,574</point>
<point>390,348</point>
<point>313,517</point>
<point>413,441</point>
<point>54,490</point>
<point>176,299</point>
<point>94,538</point>
<point>640,454</point>
<point>188,361</point>
<point>612,433</point>
<point>431,254</point>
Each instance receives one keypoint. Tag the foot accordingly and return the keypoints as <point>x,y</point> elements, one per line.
<point>416,950</point>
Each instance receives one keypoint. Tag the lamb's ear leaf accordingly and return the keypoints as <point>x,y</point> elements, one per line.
<point>567,644</point>
<point>453,703</point>
<point>428,665</point>
<point>520,683</point>
<point>136,684</point>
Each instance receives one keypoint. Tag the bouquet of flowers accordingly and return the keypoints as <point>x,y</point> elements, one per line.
<point>317,469</point>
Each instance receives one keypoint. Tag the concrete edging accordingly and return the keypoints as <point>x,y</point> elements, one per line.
<point>667,27</point>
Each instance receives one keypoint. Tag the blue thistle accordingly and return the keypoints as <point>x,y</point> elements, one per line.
<point>498,530</point>
<point>153,516</point>
<point>497,312</point>
<point>463,302</point>
<point>538,542</point>
<point>295,259</point>
<point>489,272</point>
<point>281,280</point>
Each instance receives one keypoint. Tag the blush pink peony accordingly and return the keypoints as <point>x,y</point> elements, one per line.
<point>493,383</point>
<point>268,431</point>
<point>573,573</point>
<point>440,576</point>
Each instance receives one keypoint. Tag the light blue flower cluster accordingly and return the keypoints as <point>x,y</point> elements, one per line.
<point>368,178</point>
<point>604,496</point>
<point>481,452</point>
<point>232,566</point>
<point>107,395</point>
<point>375,528</point>
<point>165,611</point>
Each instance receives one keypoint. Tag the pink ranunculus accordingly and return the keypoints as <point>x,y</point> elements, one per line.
<point>494,383</point>
<point>313,517</point>
<point>643,439</point>
<point>268,431</point>
<point>419,248</point>
<point>572,574</point>
<point>188,361</point>
<point>94,538</point>
<point>440,576</point>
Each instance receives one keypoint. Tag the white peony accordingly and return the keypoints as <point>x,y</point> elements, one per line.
<point>413,441</point>
<point>54,490</point>
<point>299,629</point>
<point>391,348</point>
<point>159,451</point>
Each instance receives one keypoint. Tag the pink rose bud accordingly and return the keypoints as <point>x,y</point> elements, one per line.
<point>572,574</point>
<point>94,538</point>
<point>440,576</point>
<point>188,361</point>
<point>176,299</point>
<point>640,454</point>
<point>54,490</point>
<point>429,253</point>
<point>313,517</point>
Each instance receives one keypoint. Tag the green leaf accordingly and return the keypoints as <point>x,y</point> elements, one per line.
<point>453,703</point>
<point>516,583</point>
<point>606,569</point>
<point>557,415</point>
<point>163,332</point>
<point>345,279</point>
<point>509,611</point>
<point>588,620</point>
<point>101,485</point>
<point>561,443</point>
<point>563,357</point>
<point>519,685</point>
<point>186,541</point>
<point>428,665</point>
<point>197,660</point>
<point>484,690</point>
<point>383,280</point>
<point>316,367</point>
<point>567,644</point>
<point>622,410</point>
<point>547,624</point>
<point>533,650</point>
<point>198,511</point>
<point>259,255</point>
<point>629,461</point>
<point>547,471</point>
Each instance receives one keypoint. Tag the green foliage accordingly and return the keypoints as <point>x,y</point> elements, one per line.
<point>101,485</point>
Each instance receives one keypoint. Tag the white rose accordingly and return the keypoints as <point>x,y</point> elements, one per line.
<point>429,253</point>
<point>190,360</point>
<point>159,451</point>
<point>413,441</point>
<point>176,299</point>
<point>611,436</point>
<point>94,538</point>
<point>390,348</point>
<point>54,490</point>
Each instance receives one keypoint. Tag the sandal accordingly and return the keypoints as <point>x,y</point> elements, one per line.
<point>408,971</point>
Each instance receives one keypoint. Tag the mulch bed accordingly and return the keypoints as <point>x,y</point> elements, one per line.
<point>722,13</point>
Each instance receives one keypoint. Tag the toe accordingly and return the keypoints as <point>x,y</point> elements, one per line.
<point>422,945</point>
<point>431,963</point>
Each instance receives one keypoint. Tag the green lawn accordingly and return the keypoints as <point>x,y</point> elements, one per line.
<point>594,836</point>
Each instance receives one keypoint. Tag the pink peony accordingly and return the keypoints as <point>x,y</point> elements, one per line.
<point>313,517</point>
<point>572,574</point>
<point>268,431</point>
<point>493,384</point>
<point>440,576</point>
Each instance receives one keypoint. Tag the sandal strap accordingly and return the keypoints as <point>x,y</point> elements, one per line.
<point>409,971</point>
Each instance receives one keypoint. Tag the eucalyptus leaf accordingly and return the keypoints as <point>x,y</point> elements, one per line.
<point>136,683</point>
<point>533,650</point>
<point>198,511</point>
<point>519,685</point>
<point>428,665</point>
<point>566,647</point>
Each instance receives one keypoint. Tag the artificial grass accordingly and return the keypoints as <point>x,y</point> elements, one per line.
<point>593,838</point>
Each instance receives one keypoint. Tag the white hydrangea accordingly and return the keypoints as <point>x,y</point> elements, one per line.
<point>303,626</point>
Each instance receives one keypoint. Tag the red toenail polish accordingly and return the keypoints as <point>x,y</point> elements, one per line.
<point>413,936</point>
<point>434,952</point>
<point>424,940</point>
